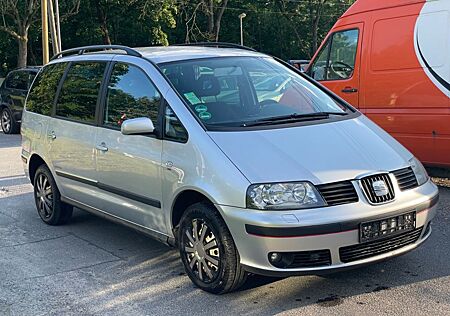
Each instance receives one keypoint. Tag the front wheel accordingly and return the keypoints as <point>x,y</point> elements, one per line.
<point>48,199</point>
<point>208,252</point>
<point>9,125</point>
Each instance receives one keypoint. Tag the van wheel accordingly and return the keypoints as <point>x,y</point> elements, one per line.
<point>208,252</point>
<point>9,126</point>
<point>48,199</point>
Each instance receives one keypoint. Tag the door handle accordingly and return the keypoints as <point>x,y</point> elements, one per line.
<point>52,135</point>
<point>102,147</point>
<point>349,90</point>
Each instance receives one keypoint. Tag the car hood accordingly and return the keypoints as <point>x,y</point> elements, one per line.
<point>320,153</point>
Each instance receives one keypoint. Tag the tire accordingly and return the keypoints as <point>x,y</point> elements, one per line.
<point>9,125</point>
<point>215,269</point>
<point>48,199</point>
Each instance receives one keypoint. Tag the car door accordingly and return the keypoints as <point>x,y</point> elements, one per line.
<point>337,64</point>
<point>72,130</point>
<point>129,166</point>
<point>16,90</point>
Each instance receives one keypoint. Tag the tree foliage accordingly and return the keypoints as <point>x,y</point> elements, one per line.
<point>290,29</point>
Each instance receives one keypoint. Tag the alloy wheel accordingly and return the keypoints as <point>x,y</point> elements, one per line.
<point>6,121</point>
<point>44,196</point>
<point>202,251</point>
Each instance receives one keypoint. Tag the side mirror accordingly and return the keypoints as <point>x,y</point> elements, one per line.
<point>140,125</point>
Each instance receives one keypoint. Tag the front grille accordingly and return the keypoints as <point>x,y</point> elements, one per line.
<point>406,178</point>
<point>338,193</point>
<point>304,259</point>
<point>378,247</point>
<point>372,195</point>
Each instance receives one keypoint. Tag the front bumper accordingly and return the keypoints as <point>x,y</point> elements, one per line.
<point>258,233</point>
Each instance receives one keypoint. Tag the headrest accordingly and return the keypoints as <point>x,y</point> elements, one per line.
<point>207,86</point>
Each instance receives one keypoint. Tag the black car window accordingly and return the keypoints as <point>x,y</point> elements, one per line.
<point>80,90</point>
<point>173,129</point>
<point>42,94</point>
<point>17,80</point>
<point>130,94</point>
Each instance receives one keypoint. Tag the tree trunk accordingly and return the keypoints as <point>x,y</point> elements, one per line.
<point>218,20</point>
<point>315,30</point>
<point>102,19</point>
<point>315,25</point>
<point>23,52</point>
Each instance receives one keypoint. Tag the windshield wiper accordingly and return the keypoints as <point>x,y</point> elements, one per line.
<point>295,117</point>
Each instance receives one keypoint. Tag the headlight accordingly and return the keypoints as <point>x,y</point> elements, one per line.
<point>419,171</point>
<point>283,196</point>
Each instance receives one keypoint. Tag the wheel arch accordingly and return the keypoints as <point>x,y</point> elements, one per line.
<point>183,200</point>
<point>34,163</point>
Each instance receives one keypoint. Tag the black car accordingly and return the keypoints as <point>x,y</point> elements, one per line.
<point>13,92</point>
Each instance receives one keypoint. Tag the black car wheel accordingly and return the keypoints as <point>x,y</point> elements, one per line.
<point>9,126</point>
<point>208,252</point>
<point>48,199</point>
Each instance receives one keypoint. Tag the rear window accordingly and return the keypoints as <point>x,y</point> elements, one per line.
<point>17,80</point>
<point>42,95</point>
<point>78,98</point>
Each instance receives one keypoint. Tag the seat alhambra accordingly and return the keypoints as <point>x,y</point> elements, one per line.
<point>235,157</point>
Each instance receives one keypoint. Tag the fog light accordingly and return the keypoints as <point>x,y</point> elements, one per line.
<point>274,257</point>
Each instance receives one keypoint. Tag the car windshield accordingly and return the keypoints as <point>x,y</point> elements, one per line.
<point>242,91</point>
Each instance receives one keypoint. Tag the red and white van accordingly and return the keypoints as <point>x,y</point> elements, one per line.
<point>391,59</point>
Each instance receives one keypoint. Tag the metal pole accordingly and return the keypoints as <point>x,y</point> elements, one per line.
<point>241,17</point>
<point>53,33</point>
<point>242,33</point>
<point>45,56</point>
<point>58,25</point>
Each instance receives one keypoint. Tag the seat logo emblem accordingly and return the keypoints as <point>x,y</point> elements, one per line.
<point>380,188</point>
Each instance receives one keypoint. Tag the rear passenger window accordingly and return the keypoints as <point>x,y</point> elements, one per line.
<point>80,90</point>
<point>130,95</point>
<point>42,94</point>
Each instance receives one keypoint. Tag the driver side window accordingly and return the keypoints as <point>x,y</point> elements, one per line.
<point>336,61</point>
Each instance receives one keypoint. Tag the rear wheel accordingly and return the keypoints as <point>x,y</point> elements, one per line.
<point>208,252</point>
<point>9,125</point>
<point>48,199</point>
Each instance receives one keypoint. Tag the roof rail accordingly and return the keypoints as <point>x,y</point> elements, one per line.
<point>93,48</point>
<point>217,44</point>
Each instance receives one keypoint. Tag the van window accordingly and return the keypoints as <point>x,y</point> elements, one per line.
<point>42,94</point>
<point>80,90</point>
<point>130,94</point>
<point>318,68</point>
<point>173,129</point>
<point>336,61</point>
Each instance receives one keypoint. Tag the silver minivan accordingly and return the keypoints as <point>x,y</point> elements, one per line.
<point>235,157</point>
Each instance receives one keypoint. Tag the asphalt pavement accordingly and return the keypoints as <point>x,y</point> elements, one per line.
<point>94,267</point>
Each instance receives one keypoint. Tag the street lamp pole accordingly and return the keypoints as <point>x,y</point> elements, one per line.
<point>44,15</point>
<point>241,17</point>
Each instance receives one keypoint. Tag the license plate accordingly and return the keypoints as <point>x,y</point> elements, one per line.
<point>387,227</point>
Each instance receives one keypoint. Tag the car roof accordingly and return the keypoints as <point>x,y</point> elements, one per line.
<point>166,54</point>
<point>28,68</point>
